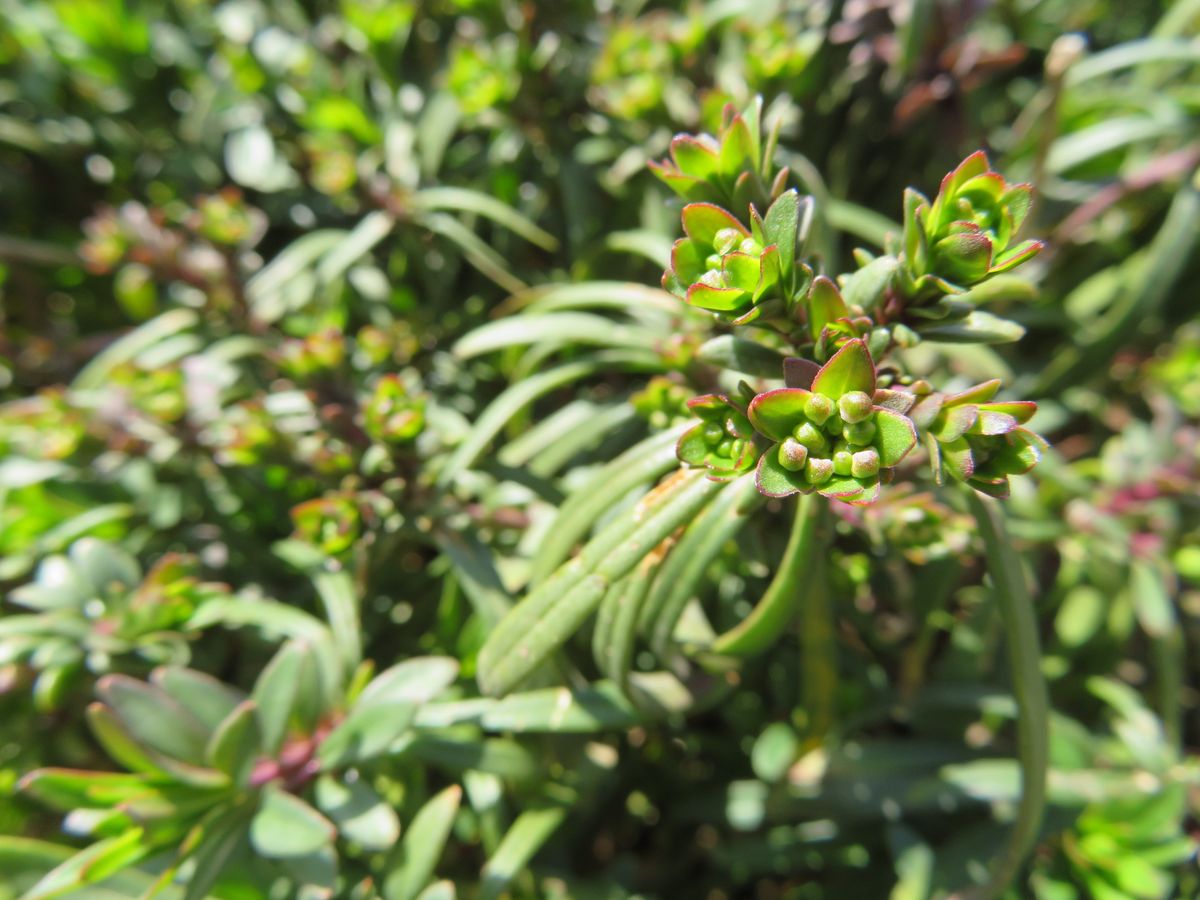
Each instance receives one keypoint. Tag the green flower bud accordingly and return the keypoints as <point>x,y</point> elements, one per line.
<point>818,407</point>
<point>865,463</point>
<point>713,433</point>
<point>726,239</point>
<point>818,471</point>
<point>713,261</point>
<point>811,437</point>
<point>713,278</point>
<point>751,247</point>
<point>855,406</point>
<point>860,433</point>
<point>792,455</point>
<point>725,448</point>
<point>842,462</point>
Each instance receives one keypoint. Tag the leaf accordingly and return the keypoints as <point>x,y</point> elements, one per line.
<point>465,200</point>
<point>704,296</point>
<point>865,288</point>
<point>774,480</point>
<point>977,327</point>
<point>275,693</point>
<point>253,161</point>
<point>521,842</point>
<point>702,221</point>
<point>825,305</point>
<point>155,719</point>
<point>774,751</point>
<point>368,730</point>
<point>850,369</point>
<point>559,327</point>
<point>121,745</point>
<point>411,867</point>
<point>340,601</point>
<point>895,436</point>
<point>237,743</point>
<point>781,226</point>
<point>360,814</point>
<point>776,413</point>
<point>739,355</point>
<point>96,373</point>
<point>206,698</point>
<point>92,865</point>
<point>416,680</point>
<point>285,826</point>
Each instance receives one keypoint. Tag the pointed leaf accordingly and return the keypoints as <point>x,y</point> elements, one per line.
<point>154,718</point>
<point>360,814</point>
<point>237,743</point>
<point>825,305</point>
<point>92,865</point>
<point>717,299</point>
<point>781,226</point>
<point>275,693</point>
<point>285,826</point>
<point>416,680</point>
<point>850,369</point>
<point>521,842</point>
<point>411,867</point>
<point>206,698</point>
<point>702,221</point>
<point>366,732</point>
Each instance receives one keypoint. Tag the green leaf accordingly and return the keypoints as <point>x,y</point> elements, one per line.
<point>368,730</point>
<point>825,305</point>
<point>559,328</point>
<point>978,327</point>
<point>340,601</point>
<point>774,480</point>
<point>521,842</point>
<point>206,698</point>
<point>275,692</point>
<point>155,719</point>
<point>411,867</point>
<point>237,743</point>
<point>781,225</point>
<point>776,413</point>
<point>850,369</point>
<point>96,373</point>
<point>104,565</point>
<point>360,814</point>
<point>285,826</point>
<point>92,865</point>
<point>702,221</point>
<point>121,745</point>
<point>416,680</point>
<point>895,436</point>
<point>717,299</point>
<point>465,200</point>
<point>865,287</point>
<point>739,355</point>
<point>774,751</point>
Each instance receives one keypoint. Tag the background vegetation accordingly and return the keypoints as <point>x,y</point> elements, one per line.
<point>321,326</point>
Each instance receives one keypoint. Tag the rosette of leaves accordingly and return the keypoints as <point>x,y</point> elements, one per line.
<point>225,790</point>
<point>734,169</point>
<point>392,415</point>
<point>978,440</point>
<point>968,233</point>
<point>722,442</point>
<point>723,266</point>
<point>92,610</point>
<point>836,437</point>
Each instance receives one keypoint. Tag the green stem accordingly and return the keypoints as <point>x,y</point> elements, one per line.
<point>766,621</point>
<point>1015,605</point>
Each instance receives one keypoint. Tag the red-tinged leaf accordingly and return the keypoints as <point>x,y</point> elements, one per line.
<point>770,266</point>
<point>825,305</point>
<point>1018,200</point>
<point>998,488</point>
<point>695,156</point>
<point>870,493</point>
<point>846,489</point>
<point>974,165</point>
<point>895,436</point>
<point>782,225</point>
<point>850,369</point>
<point>1022,451</point>
<point>1021,410</point>
<point>990,184</point>
<point>775,413</point>
<point>691,448</point>
<point>743,271</point>
<point>899,401</point>
<point>717,299</point>
<point>926,410</point>
<point>773,480</point>
<point>702,221</point>
<point>799,373</point>
<point>979,393</point>
<point>954,422</point>
<point>737,148</point>
<point>688,260</point>
<point>956,458</point>
<point>1013,257</point>
<point>685,186</point>
<point>990,422</point>
<point>708,403</point>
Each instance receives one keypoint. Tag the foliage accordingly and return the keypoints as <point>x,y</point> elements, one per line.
<point>372,525</point>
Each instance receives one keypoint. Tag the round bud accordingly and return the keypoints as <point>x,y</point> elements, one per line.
<point>792,455</point>
<point>726,239</point>
<point>865,463</point>
<point>860,433</point>
<point>818,407</point>
<point>855,406</point>
<point>751,247</point>
<point>725,447</point>
<point>713,433</point>
<point>713,279</point>
<point>842,462</point>
<point>810,436</point>
<point>713,261</point>
<point>818,471</point>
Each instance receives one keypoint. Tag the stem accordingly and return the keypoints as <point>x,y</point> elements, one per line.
<point>766,621</point>
<point>1015,605</point>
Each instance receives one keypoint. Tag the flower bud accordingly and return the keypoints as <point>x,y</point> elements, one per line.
<point>842,462</point>
<point>818,407</point>
<point>713,278</point>
<point>860,433</point>
<point>751,247</point>
<point>855,406</point>
<point>808,435</point>
<point>865,463</point>
<point>726,239</point>
<point>818,471</point>
<point>713,261</point>
<point>792,455</point>
<point>713,433</point>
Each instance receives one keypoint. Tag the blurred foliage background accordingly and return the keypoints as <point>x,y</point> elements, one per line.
<point>314,315</point>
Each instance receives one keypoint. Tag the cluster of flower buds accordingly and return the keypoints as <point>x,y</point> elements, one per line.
<point>319,353</point>
<point>332,523</point>
<point>720,265</point>
<point>836,437</point>
<point>723,442</point>
<point>392,415</point>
